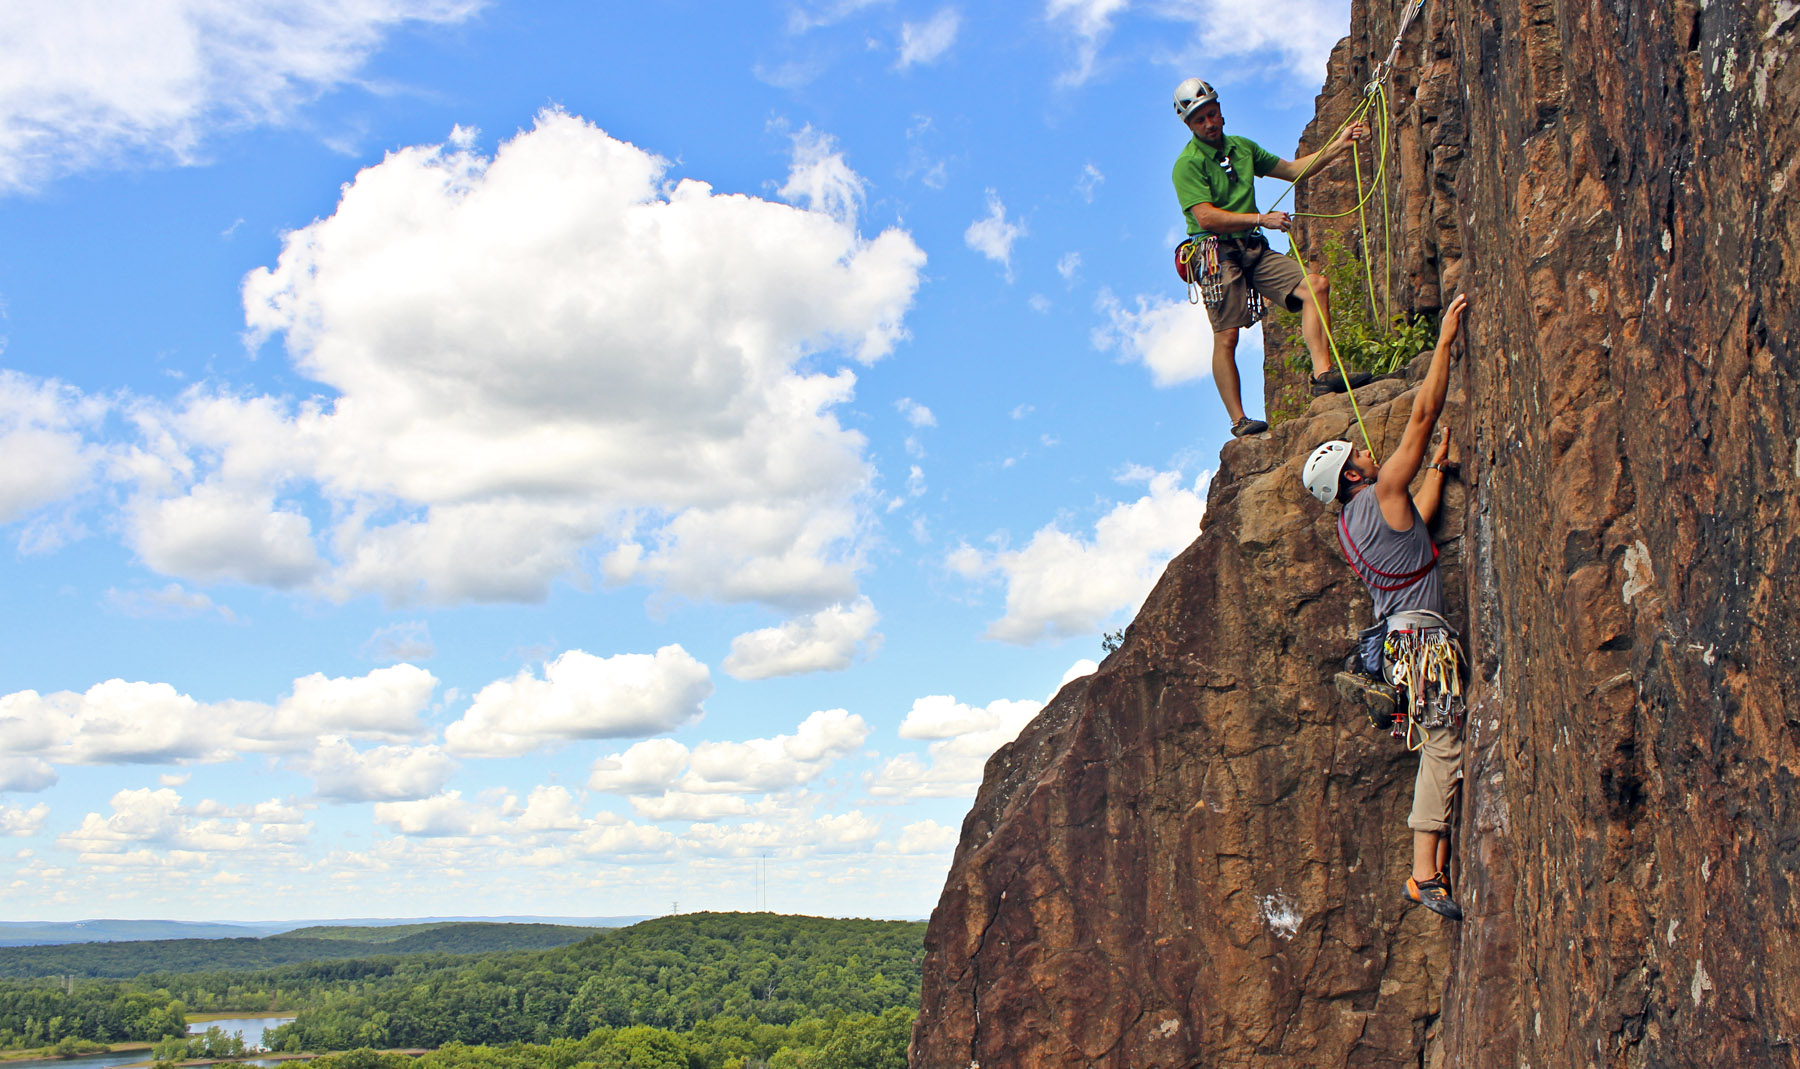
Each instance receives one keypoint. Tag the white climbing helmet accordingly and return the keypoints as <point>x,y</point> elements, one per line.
<point>1192,94</point>
<point>1323,468</point>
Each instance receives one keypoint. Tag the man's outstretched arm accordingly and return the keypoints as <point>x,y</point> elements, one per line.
<point>1398,469</point>
<point>1291,170</point>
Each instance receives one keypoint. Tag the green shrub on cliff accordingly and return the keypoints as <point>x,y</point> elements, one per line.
<point>1363,341</point>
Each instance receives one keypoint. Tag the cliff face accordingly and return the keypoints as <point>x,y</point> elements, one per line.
<point>1193,857</point>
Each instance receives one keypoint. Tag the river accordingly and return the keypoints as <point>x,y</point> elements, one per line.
<point>253,1029</point>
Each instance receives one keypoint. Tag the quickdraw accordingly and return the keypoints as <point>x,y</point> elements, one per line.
<point>1197,262</point>
<point>1426,663</point>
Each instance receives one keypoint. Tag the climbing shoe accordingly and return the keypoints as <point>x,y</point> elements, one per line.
<point>1377,697</point>
<point>1434,895</point>
<point>1248,426</point>
<point>1333,382</point>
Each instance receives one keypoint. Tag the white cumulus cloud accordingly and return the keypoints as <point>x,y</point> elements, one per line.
<point>19,822</point>
<point>779,763</point>
<point>963,737</point>
<point>925,837</point>
<point>526,364</point>
<point>384,704</point>
<point>44,426</point>
<point>114,722</point>
<point>121,722</point>
<point>1170,337</point>
<point>834,833</point>
<point>649,767</point>
<point>1090,180</point>
<point>550,808</point>
<point>144,821</point>
<point>216,533</point>
<point>686,805</point>
<point>826,641</point>
<point>1061,585</point>
<point>341,773</point>
<point>25,774</point>
<point>666,775</point>
<point>581,696</point>
<point>444,814</point>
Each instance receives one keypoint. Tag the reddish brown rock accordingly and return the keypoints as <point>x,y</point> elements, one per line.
<point>1194,855</point>
<point>1192,858</point>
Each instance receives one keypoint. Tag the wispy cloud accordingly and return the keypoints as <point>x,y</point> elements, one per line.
<point>806,17</point>
<point>1089,23</point>
<point>1088,182</point>
<point>173,601</point>
<point>926,42</point>
<point>154,81</point>
<point>1295,36</point>
<point>993,235</point>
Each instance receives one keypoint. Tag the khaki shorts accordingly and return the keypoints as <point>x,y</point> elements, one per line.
<point>1275,277</point>
<point>1439,780</point>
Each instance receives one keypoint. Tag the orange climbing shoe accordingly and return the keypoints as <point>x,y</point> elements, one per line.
<point>1434,895</point>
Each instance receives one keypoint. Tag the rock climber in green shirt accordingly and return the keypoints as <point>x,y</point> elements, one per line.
<point>1227,253</point>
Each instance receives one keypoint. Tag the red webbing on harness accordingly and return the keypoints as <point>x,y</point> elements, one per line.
<point>1364,569</point>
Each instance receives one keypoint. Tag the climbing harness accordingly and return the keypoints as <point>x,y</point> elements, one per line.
<point>1422,657</point>
<point>1198,261</point>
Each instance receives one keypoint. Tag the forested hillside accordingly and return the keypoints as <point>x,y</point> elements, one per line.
<point>136,958</point>
<point>670,973</point>
<point>673,973</point>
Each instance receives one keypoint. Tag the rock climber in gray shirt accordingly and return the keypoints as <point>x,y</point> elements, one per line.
<point>1383,531</point>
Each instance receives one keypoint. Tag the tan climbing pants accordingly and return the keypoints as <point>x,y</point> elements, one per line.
<point>1439,780</point>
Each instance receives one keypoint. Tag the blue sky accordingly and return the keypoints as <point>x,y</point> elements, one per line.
<point>500,458</point>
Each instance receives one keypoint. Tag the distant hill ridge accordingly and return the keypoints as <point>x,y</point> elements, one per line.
<point>103,930</point>
<point>319,943</point>
<point>394,933</point>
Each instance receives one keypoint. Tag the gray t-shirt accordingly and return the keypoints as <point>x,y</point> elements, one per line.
<point>1398,553</point>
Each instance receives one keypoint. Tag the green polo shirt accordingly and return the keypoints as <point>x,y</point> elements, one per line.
<point>1201,178</point>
